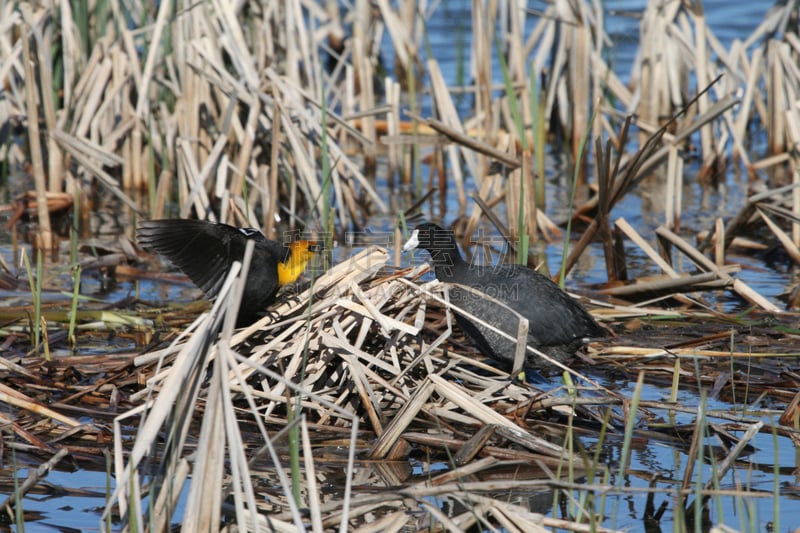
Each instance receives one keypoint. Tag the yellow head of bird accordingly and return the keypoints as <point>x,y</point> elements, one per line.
<point>300,253</point>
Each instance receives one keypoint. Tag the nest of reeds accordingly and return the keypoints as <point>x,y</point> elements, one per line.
<point>349,364</point>
<point>345,401</point>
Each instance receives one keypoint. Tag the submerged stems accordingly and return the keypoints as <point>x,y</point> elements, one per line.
<point>630,424</point>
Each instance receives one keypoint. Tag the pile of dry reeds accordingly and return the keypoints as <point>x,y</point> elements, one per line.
<point>342,363</point>
<point>355,368</point>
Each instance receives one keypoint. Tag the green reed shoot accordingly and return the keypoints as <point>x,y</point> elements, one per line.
<point>35,282</point>
<point>327,212</point>
<point>591,477</point>
<point>133,507</point>
<point>776,480</point>
<point>539,132</point>
<point>630,423</point>
<point>73,312</point>
<point>566,457</point>
<point>698,470</point>
<point>511,95</point>
<point>19,515</point>
<point>460,44</point>
<point>327,215</point>
<point>292,414</point>
<point>601,505</point>
<point>76,267</point>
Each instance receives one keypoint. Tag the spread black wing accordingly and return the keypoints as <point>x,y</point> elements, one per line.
<point>204,251</point>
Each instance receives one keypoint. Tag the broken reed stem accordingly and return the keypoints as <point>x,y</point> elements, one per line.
<point>34,477</point>
<point>706,264</point>
<point>45,235</point>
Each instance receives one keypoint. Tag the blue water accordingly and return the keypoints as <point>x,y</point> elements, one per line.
<point>644,207</point>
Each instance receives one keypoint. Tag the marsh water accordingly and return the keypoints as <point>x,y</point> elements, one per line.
<point>774,462</point>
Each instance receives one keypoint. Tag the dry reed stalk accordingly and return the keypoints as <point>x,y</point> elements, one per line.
<point>393,94</point>
<point>726,464</point>
<point>457,135</point>
<point>513,35</point>
<point>748,209</point>
<point>706,264</point>
<point>615,177</point>
<point>203,506</point>
<point>697,439</point>
<point>651,253</point>
<point>364,72</point>
<point>486,415</point>
<point>674,187</point>
<point>388,440</point>
<point>623,226</point>
<point>304,158</point>
<point>45,239</point>
<point>774,78</point>
<point>189,363</point>
<point>750,98</point>
<point>34,477</point>
<point>776,98</point>
<point>563,45</point>
<point>168,498</point>
<point>400,26</point>
<point>20,401</point>
<point>681,42</point>
<point>10,18</point>
<point>672,286</point>
<point>646,75</point>
<point>580,42</point>
<point>446,109</point>
<point>615,180</point>
<point>785,240</point>
<point>195,195</point>
<point>708,150</point>
<point>719,249</point>
<point>55,177</point>
<point>793,131</point>
<point>482,63</point>
<point>271,213</point>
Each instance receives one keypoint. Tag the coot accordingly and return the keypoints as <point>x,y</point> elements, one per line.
<point>557,324</point>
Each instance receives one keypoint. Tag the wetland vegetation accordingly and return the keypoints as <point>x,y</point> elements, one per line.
<point>635,157</point>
